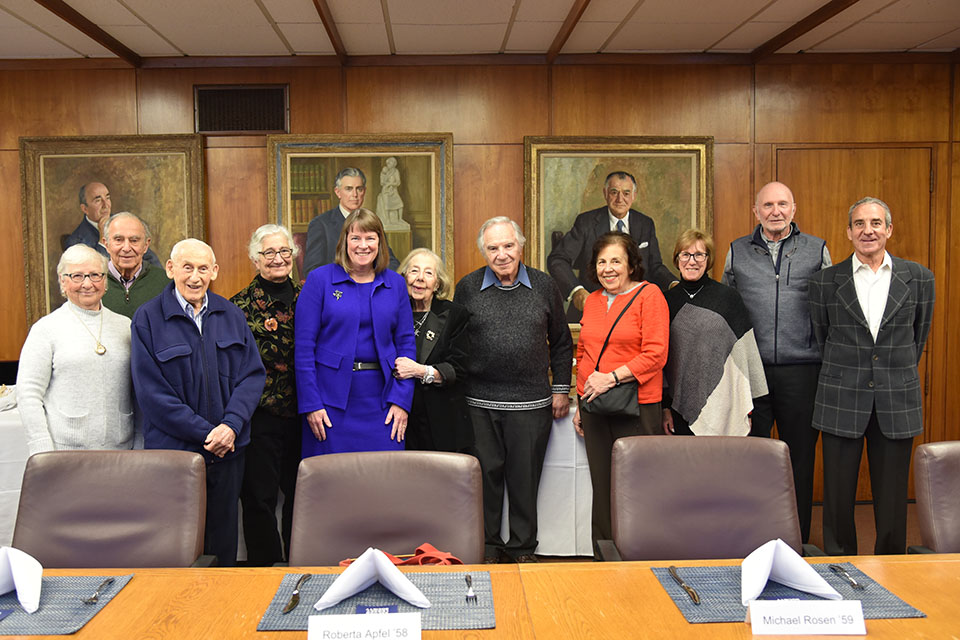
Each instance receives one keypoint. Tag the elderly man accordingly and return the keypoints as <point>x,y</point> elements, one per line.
<point>130,280</point>
<point>770,268</point>
<point>198,377</point>
<point>871,316</point>
<point>323,232</point>
<point>95,205</point>
<point>518,332</point>
<point>576,248</point>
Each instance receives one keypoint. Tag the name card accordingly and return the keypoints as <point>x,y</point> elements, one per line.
<point>806,617</point>
<point>369,626</point>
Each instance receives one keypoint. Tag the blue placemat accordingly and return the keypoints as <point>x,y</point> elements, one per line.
<point>719,591</point>
<point>62,610</point>
<point>445,591</point>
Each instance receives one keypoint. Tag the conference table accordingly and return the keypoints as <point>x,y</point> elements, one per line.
<point>546,601</point>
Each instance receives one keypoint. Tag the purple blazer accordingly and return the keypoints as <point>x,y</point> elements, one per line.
<point>326,337</point>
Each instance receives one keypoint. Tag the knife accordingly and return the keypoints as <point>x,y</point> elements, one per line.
<point>295,596</point>
<point>840,571</point>
<point>690,590</point>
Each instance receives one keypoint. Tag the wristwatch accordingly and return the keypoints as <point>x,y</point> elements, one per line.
<point>429,376</point>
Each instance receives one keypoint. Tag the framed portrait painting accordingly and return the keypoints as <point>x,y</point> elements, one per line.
<point>565,175</point>
<point>409,185</point>
<point>158,178</point>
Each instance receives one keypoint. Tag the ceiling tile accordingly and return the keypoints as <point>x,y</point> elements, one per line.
<point>144,41</point>
<point>37,17</point>
<point>427,12</point>
<point>791,11</point>
<point>356,11</point>
<point>946,42</point>
<point>307,39</point>
<point>25,42</point>
<point>881,36</point>
<point>544,10</point>
<point>919,10</point>
<point>750,36</point>
<point>826,30</point>
<point>532,37</point>
<point>681,11</point>
<point>302,11</point>
<point>364,39</point>
<point>667,37</point>
<point>588,37</point>
<point>448,39</point>
<point>607,10</point>
<point>212,27</point>
<point>104,12</point>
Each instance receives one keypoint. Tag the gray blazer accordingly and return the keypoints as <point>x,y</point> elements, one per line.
<point>858,373</point>
<point>323,232</point>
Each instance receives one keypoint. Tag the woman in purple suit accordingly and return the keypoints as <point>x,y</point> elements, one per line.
<point>353,322</point>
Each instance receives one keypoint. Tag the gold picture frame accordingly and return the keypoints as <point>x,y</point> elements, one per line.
<point>159,178</point>
<point>302,169</point>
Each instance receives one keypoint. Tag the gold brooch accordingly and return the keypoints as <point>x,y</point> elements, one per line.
<point>337,293</point>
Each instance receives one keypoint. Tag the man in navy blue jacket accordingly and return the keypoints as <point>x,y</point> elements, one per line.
<point>198,377</point>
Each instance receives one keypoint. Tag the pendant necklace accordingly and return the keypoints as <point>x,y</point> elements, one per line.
<point>100,348</point>
<point>419,323</point>
<point>694,293</point>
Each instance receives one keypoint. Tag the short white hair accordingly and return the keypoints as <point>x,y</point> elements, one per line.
<point>126,214</point>
<point>256,240</point>
<point>75,256</point>
<point>187,242</point>
<point>500,220</point>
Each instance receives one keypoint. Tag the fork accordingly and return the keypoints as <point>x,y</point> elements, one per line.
<point>96,594</point>
<point>471,596</point>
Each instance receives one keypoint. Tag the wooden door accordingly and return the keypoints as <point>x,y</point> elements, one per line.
<point>826,181</point>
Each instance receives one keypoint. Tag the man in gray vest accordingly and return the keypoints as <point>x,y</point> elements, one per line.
<point>770,268</point>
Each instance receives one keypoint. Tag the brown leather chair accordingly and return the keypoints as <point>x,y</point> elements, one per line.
<point>936,478</point>
<point>391,500</point>
<point>113,509</point>
<point>689,497</point>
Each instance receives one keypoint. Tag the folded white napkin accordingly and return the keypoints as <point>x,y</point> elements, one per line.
<point>776,560</point>
<point>22,572</point>
<point>370,567</point>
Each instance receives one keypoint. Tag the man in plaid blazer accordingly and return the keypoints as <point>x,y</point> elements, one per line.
<point>871,316</point>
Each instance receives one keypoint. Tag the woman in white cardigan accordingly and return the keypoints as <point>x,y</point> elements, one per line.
<point>73,383</point>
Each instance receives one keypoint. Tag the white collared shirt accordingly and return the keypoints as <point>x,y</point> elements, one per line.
<point>344,212</point>
<point>872,290</point>
<point>196,316</point>
<point>614,220</point>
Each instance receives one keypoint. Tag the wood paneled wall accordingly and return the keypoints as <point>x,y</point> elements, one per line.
<point>748,109</point>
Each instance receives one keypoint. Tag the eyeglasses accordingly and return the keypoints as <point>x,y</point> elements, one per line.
<point>270,254</point>
<point>696,257</point>
<point>78,278</point>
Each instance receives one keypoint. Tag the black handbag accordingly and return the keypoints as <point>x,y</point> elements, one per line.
<point>621,400</point>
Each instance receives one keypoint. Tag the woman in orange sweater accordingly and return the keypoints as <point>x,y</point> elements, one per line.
<point>637,350</point>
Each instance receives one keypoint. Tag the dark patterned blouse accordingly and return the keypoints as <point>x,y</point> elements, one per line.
<point>271,321</point>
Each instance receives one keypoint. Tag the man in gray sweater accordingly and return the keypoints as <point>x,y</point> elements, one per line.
<point>518,334</point>
<point>770,268</point>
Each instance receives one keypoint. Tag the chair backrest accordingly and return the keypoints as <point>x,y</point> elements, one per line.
<point>690,497</point>
<point>936,478</point>
<point>390,500</point>
<point>112,508</point>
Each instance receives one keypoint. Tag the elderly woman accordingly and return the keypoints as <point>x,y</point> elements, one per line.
<point>73,384</point>
<point>353,323</point>
<point>439,420</point>
<point>273,454</point>
<point>635,350</point>
<point>714,370</point>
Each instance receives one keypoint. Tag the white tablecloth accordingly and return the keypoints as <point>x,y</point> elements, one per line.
<point>563,506</point>
<point>13,458</point>
<point>565,499</point>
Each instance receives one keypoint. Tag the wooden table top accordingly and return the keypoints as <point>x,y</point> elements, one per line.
<point>625,600</point>
<point>550,601</point>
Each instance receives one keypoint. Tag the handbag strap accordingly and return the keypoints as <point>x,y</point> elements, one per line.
<point>627,306</point>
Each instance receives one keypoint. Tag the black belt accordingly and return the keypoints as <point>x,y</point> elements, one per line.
<point>366,366</point>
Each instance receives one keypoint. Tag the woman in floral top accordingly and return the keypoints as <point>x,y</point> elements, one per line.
<point>274,451</point>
